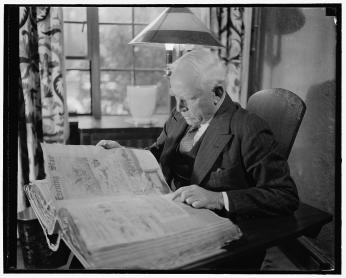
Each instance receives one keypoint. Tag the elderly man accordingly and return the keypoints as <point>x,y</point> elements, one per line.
<point>215,154</point>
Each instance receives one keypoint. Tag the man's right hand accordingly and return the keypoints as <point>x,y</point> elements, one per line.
<point>108,144</point>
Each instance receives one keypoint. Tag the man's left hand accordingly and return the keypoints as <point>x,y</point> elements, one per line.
<point>199,197</point>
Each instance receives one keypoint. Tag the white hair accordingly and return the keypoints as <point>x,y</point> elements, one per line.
<point>205,67</point>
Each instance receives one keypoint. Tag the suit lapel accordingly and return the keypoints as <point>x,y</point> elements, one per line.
<point>174,137</point>
<point>216,137</point>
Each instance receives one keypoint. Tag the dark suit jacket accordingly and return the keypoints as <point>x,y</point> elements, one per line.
<point>237,155</point>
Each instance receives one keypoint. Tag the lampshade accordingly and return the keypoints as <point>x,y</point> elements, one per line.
<point>176,25</point>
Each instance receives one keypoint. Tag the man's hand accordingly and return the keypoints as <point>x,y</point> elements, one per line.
<point>108,144</point>
<point>199,197</point>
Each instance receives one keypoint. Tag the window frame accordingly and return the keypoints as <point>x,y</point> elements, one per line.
<point>93,56</point>
<point>76,57</point>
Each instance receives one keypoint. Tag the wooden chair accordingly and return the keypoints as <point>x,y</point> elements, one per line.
<point>283,111</point>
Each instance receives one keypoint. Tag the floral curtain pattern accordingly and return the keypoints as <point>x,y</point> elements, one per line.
<point>41,96</point>
<point>228,24</point>
<point>50,42</point>
<point>30,84</point>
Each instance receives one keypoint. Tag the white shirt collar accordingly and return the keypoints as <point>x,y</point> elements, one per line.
<point>203,127</point>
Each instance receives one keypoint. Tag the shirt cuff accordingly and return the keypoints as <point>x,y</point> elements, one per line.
<point>225,200</point>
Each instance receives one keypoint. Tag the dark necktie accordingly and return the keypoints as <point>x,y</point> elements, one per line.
<point>186,142</point>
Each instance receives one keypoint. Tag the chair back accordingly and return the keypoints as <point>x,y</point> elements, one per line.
<point>283,111</point>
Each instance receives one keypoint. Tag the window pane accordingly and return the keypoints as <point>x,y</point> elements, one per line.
<point>75,39</point>
<point>78,91</point>
<point>152,78</point>
<point>113,92</point>
<point>115,14</point>
<point>76,64</point>
<point>150,57</point>
<point>147,14</point>
<point>114,49</point>
<point>74,13</point>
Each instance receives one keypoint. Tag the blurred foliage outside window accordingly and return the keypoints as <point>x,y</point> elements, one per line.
<point>120,64</point>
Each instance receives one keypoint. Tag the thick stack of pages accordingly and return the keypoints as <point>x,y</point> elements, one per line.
<point>114,210</point>
<point>43,204</point>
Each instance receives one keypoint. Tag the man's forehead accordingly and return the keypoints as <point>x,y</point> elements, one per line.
<point>180,88</point>
<point>182,92</point>
<point>184,82</point>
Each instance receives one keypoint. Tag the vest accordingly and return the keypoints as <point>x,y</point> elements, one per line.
<point>182,165</point>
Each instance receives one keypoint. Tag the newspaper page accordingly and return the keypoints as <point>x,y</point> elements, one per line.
<point>124,209</point>
<point>121,220</point>
<point>90,171</point>
<point>142,231</point>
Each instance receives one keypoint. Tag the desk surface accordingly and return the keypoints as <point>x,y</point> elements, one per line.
<point>116,122</point>
<point>266,232</point>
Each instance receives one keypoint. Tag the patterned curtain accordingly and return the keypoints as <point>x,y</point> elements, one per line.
<point>41,95</point>
<point>228,24</point>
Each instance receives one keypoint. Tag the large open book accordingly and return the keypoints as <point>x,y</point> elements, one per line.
<point>114,209</point>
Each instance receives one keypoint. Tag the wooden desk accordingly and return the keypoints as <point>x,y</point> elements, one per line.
<point>262,233</point>
<point>119,128</point>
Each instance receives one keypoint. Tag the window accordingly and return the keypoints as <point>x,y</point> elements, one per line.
<point>100,63</point>
<point>77,62</point>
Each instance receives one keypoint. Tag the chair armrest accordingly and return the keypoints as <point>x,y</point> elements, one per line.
<point>324,261</point>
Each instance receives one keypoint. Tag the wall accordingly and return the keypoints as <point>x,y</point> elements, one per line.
<point>299,54</point>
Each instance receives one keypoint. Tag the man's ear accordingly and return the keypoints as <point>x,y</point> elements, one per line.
<point>218,91</point>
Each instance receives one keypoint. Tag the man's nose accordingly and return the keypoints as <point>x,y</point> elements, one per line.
<point>181,105</point>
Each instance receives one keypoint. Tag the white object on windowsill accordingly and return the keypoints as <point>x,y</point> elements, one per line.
<point>142,103</point>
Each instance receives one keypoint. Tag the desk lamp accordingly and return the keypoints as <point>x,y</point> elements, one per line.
<point>176,26</point>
